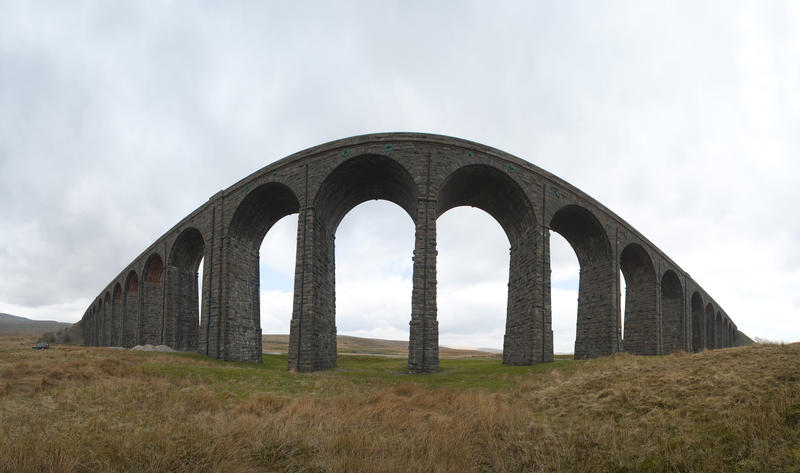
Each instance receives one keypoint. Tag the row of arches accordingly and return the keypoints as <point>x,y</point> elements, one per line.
<point>164,307</point>
<point>710,329</point>
<point>136,314</point>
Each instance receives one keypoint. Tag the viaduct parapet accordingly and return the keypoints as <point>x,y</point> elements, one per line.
<point>155,299</point>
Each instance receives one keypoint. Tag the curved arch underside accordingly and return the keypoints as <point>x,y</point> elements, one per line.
<point>151,320</point>
<point>597,332</point>
<point>698,326</point>
<point>497,194</point>
<point>130,303</point>
<point>181,320</point>
<point>672,313</point>
<point>155,300</point>
<point>641,315</point>
<point>260,209</point>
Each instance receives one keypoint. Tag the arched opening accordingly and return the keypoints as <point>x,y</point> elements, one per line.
<point>130,319</point>
<point>698,341</point>
<point>710,327</point>
<point>116,316</point>
<point>373,270</point>
<point>719,336</point>
<point>276,275</point>
<point>564,282</point>
<point>672,308</point>
<point>183,292</point>
<point>641,315</point>
<point>725,332</point>
<point>357,180</point>
<point>90,340</point>
<point>258,212</point>
<point>107,320</point>
<point>98,322</point>
<point>472,279</point>
<point>152,302</point>
<point>597,332</point>
<point>93,328</point>
<point>528,334</point>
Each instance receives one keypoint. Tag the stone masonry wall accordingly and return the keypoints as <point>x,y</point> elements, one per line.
<point>426,175</point>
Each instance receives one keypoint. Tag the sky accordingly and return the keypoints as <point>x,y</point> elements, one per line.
<point>117,119</point>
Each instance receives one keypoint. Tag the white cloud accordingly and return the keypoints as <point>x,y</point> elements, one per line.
<point>116,120</point>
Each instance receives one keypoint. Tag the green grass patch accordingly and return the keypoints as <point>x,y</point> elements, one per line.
<point>351,371</point>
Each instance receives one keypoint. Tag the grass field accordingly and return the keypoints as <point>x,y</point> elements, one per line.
<point>75,409</point>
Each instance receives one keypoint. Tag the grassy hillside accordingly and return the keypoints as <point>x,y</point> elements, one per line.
<point>76,409</point>
<point>12,324</point>
<point>346,344</point>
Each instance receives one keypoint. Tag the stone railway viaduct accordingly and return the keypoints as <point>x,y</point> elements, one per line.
<point>155,299</point>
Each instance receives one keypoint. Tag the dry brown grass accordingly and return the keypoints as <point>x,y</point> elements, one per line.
<point>74,409</point>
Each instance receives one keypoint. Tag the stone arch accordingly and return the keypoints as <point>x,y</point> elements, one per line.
<point>356,180</point>
<point>725,332</point>
<point>260,209</point>
<point>492,191</point>
<point>93,326</point>
<point>181,318</point>
<point>84,323</point>
<point>151,318</point>
<point>98,322</point>
<point>641,316</point>
<point>130,319</point>
<point>88,326</point>
<point>258,212</point>
<point>116,316</point>
<point>598,311</point>
<point>698,341</point>
<point>106,320</point>
<point>710,326</point>
<point>527,336</point>
<point>362,178</point>
<point>672,313</point>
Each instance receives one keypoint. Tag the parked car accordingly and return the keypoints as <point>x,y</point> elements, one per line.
<point>41,346</point>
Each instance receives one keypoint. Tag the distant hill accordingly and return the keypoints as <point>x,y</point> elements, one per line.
<point>13,324</point>
<point>346,344</point>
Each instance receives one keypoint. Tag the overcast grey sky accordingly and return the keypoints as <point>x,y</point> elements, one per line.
<point>119,118</point>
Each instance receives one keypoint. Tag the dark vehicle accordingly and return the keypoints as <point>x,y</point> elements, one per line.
<point>41,346</point>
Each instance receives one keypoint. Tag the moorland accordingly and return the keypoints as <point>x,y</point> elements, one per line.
<point>81,409</point>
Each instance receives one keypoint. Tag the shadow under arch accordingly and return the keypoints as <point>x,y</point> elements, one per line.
<point>598,324</point>
<point>673,329</point>
<point>116,316</point>
<point>641,312</point>
<point>356,180</point>
<point>106,320</point>
<point>362,178</point>
<point>528,336</point>
<point>709,320</point>
<point>726,333</point>
<point>698,341</point>
<point>97,323</point>
<point>152,302</point>
<point>181,305</point>
<point>241,319</point>
<point>130,317</point>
